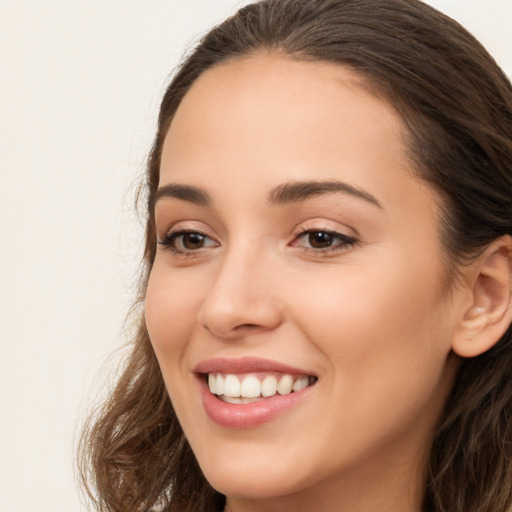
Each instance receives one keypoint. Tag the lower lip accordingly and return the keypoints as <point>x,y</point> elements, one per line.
<point>249,415</point>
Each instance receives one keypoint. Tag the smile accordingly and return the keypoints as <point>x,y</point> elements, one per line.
<point>243,389</point>
<point>247,392</point>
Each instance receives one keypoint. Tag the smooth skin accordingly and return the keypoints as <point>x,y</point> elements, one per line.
<point>349,284</point>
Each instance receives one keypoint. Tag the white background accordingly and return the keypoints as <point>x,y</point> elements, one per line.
<point>80,83</point>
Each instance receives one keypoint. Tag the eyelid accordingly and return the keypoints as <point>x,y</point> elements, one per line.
<point>178,248</point>
<point>180,231</point>
<point>327,225</point>
<point>183,225</point>
<point>174,233</point>
<point>344,240</point>
<point>170,239</point>
<point>348,239</point>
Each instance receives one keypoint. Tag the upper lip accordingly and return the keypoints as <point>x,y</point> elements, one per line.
<point>247,365</point>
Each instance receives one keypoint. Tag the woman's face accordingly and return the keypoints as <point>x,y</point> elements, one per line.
<point>298,249</point>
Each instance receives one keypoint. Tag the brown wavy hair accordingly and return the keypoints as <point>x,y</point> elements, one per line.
<point>457,106</point>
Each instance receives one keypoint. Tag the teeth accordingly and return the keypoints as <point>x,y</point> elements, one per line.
<point>231,386</point>
<point>269,386</point>
<point>301,383</point>
<point>252,389</point>
<point>285,385</point>
<point>239,399</point>
<point>219,385</point>
<point>212,383</point>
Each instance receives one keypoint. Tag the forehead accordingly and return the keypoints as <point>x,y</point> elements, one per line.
<point>270,119</point>
<point>279,92</point>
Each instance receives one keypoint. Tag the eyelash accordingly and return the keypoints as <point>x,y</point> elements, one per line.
<point>169,241</point>
<point>343,241</point>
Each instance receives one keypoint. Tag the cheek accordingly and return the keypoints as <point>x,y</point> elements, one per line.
<point>170,311</point>
<point>385,333</point>
<point>362,305</point>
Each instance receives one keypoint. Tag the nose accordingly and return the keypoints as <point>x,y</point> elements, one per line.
<point>242,299</point>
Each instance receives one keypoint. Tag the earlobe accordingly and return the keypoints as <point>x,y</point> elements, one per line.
<point>489,315</point>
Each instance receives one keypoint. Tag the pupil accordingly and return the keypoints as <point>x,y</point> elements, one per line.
<point>320,239</point>
<point>193,240</point>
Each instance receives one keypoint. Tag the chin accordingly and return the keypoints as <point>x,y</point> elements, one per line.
<point>253,485</point>
<point>252,478</point>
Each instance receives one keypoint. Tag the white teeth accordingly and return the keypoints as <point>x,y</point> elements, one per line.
<point>251,387</point>
<point>269,386</point>
<point>239,399</point>
<point>285,385</point>
<point>212,383</point>
<point>219,385</point>
<point>229,388</point>
<point>300,383</point>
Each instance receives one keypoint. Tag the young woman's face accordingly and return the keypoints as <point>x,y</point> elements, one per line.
<point>298,251</point>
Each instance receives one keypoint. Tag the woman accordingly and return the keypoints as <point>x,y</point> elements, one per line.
<point>327,318</point>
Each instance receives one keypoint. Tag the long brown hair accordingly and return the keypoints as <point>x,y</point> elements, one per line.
<point>457,106</point>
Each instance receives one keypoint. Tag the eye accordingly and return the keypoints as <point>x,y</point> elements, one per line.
<point>322,240</point>
<point>187,241</point>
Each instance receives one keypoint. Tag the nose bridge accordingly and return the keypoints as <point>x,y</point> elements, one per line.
<point>241,296</point>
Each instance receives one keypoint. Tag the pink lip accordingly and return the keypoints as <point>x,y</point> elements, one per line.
<point>244,416</point>
<point>246,365</point>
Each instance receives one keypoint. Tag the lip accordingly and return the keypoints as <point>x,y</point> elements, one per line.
<point>247,365</point>
<point>250,415</point>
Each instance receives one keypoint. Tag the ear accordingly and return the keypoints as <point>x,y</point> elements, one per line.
<point>489,315</point>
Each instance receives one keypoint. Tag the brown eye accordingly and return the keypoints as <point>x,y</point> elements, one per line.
<point>320,239</point>
<point>193,241</point>
<point>187,241</point>
<point>323,241</point>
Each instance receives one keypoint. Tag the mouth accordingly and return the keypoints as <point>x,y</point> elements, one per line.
<point>255,387</point>
<point>248,392</point>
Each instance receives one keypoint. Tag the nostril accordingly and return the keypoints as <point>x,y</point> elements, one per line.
<point>237,316</point>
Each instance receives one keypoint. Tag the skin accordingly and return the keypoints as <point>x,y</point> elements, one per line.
<point>373,320</point>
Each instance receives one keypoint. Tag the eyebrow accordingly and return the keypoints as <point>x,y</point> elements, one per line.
<point>183,192</point>
<point>302,190</point>
<point>282,194</point>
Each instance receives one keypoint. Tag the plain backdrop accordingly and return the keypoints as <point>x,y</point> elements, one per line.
<point>80,84</point>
